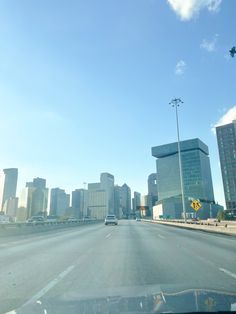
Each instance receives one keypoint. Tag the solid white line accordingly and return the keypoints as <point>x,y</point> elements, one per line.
<point>108,235</point>
<point>160,236</point>
<point>228,272</point>
<point>50,285</point>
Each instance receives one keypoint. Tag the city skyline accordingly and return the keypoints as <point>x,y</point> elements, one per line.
<point>80,98</point>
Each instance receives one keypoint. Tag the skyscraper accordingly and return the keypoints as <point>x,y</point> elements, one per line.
<point>197,178</point>
<point>33,200</point>
<point>8,183</point>
<point>226,138</point>
<point>136,201</point>
<point>152,191</point>
<point>59,202</point>
<point>101,197</point>
<point>107,184</point>
<point>126,199</point>
<point>122,196</point>
<point>79,203</point>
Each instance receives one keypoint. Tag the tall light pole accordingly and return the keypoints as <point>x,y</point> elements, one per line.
<point>176,103</point>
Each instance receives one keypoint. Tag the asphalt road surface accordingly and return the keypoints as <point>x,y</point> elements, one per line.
<point>98,260</point>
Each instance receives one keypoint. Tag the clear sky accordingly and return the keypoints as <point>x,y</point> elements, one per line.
<point>85,86</point>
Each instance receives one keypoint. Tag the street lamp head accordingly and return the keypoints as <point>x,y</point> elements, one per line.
<point>175,102</point>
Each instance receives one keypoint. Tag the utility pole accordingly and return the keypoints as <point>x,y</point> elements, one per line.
<point>176,103</point>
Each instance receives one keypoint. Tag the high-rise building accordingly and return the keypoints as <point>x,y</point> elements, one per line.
<point>107,184</point>
<point>101,197</point>
<point>117,201</point>
<point>59,202</point>
<point>197,180</point>
<point>136,201</point>
<point>152,196</point>
<point>39,183</point>
<point>122,196</point>
<point>80,203</point>
<point>126,199</point>
<point>226,138</point>
<point>8,183</point>
<point>33,200</point>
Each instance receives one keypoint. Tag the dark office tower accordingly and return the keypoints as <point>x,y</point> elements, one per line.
<point>79,203</point>
<point>197,180</point>
<point>59,202</point>
<point>126,199</point>
<point>226,138</point>
<point>39,183</point>
<point>8,183</point>
<point>152,197</point>
<point>136,201</point>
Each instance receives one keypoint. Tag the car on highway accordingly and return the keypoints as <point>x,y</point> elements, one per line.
<point>111,220</point>
<point>138,219</point>
<point>36,219</point>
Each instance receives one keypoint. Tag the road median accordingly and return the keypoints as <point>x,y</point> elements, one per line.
<point>223,227</point>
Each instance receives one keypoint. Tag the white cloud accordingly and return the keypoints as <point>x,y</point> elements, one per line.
<point>186,9</point>
<point>228,117</point>
<point>180,67</point>
<point>209,45</point>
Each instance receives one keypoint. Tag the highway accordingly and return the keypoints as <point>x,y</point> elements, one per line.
<point>98,260</point>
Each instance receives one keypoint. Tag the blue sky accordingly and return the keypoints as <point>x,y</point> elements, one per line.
<point>85,85</point>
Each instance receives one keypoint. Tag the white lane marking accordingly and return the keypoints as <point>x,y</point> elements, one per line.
<point>228,272</point>
<point>50,285</point>
<point>108,235</point>
<point>161,237</point>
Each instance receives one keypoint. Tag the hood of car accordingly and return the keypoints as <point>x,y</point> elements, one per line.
<point>126,300</point>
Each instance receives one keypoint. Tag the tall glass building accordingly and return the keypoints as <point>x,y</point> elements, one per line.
<point>195,166</point>
<point>197,180</point>
<point>8,183</point>
<point>226,138</point>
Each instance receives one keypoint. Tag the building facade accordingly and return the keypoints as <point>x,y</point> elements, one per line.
<point>197,180</point>
<point>79,203</point>
<point>152,196</point>
<point>33,200</point>
<point>8,184</point>
<point>59,203</point>
<point>226,139</point>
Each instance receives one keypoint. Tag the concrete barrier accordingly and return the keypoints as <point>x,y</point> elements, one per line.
<point>14,229</point>
<point>223,227</point>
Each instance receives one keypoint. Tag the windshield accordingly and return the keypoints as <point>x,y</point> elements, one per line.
<point>118,156</point>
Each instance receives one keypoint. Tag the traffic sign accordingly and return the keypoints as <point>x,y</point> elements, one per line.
<point>196,205</point>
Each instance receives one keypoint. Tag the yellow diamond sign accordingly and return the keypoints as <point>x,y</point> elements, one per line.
<point>196,205</point>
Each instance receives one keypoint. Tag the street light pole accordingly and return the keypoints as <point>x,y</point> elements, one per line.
<point>176,103</point>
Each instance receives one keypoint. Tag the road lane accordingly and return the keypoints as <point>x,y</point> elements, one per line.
<point>97,260</point>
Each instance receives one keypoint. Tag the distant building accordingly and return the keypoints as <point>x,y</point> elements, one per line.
<point>33,200</point>
<point>122,196</point>
<point>39,183</point>
<point>59,203</point>
<point>126,199</point>
<point>226,138</point>
<point>8,184</point>
<point>101,197</point>
<point>79,203</point>
<point>107,184</point>
<point>10,207</point>
<point>197,180</point>
<point>152,196</point>
<point>117,201</point>
<point>136,201</point>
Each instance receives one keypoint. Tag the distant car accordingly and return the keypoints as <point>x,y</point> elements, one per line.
<point>138,219</point>
<point>72,219</point>
<point>111,220</point>
<point>36,219</point>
